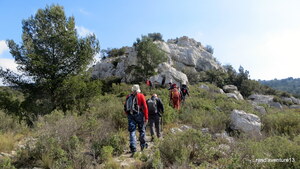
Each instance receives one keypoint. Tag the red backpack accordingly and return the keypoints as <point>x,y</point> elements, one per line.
<point>175,93</point>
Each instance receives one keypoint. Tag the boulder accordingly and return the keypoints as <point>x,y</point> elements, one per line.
<point>205,87</point>
<point>236,95</point>
<point>287,99</point>
<point>224,136</point>
<point>168,74</point>
<point>262,99</point>
<point>276,105</point>
<point>247,123</point>
<point>295,106</point>
<point>230,88</point>
<point>295,101</point>
<point>260,109</point>
<point>232,95</point>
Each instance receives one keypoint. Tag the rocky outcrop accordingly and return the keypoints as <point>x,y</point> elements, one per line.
<point>265,99</point>
<point>183,54</point>
<point>169,74</point>
<point>247,123</point>
<point>230,88</point>
<point>232,92</point>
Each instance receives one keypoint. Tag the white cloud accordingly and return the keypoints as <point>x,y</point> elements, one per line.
<point>82,31</point>
<point>8,64</point>
<point>84,12</point>
<point>3,46</point>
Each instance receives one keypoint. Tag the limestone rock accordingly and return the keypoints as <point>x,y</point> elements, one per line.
<point>262,99</point>
<point>230,88</point>
<point>169,74</point>
<point>225,136</point>
<point>276,105</point>
<point>232,95</point>
<point>245,122</point>
<point>295,106</point>
<point>295,101</point>
<point>260,109</point>
<point>205,87</point>
<point>183,54</point>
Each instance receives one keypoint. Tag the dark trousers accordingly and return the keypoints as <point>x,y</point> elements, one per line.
<point>136,120</point>
<point>154,120</point>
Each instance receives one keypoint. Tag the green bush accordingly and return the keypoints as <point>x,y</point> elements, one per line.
<point>282,123</point>
<point>190,147</point>
<point>6,163</point>
<point>115,140</point>
<point>272,148</point>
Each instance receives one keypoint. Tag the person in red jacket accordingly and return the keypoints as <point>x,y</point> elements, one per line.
<point>175,96</point>
<point>137,114</point>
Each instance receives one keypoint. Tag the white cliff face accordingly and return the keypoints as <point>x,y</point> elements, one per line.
<point>182,53</point>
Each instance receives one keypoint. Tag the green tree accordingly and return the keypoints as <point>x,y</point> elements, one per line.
<point>149,55</point>
<point>155,36</point>
<point>51,52</point>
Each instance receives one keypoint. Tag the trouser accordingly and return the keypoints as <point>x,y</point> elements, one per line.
<point>154,122</point>
<point>136,120</point>
<point>176,102</point>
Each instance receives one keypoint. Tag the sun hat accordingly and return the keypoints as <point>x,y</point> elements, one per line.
<point>136,88</point>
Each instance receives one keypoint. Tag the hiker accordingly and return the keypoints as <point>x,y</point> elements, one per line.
<point>170,86</point>
<point>155,109</point>
<point>184,91</point>
<point>175,96</point>
<point>137,114</point>
<point>149,83</point>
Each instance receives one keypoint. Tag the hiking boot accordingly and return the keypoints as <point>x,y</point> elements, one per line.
<point>144,147</point>
<point>152,139</point>
<point>132,154</point>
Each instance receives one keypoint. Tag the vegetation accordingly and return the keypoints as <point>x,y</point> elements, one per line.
<point>51,58</point>
<point>149,56</point>
<point>99,134</point>
<point>289,85</point>
<point>114,52</point>
<point>209,49</point>
<point>155,36</point>
<point>56,116</point>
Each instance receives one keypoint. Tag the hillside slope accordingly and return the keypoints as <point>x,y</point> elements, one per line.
<point>202,134</point>
<point>289,85</point>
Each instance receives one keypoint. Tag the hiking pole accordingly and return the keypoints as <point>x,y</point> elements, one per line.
<point>161,123</point>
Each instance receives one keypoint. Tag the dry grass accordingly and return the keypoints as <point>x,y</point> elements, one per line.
<point>8,141</point>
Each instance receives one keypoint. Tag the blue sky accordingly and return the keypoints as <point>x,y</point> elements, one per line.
<point>261,35</point>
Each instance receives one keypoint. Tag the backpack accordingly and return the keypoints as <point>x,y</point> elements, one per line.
<point>175,93</point>
<point>152,106</point>
<point>131,105</point>
<point>184,91</point>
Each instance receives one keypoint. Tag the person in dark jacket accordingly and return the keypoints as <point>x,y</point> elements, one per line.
<point>184,92</point>
<point>137,114</point>
<point>155,110</point>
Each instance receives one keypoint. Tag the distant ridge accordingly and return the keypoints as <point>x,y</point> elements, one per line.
<point>291,85</point>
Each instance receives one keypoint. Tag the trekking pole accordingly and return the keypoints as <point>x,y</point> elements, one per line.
<point>161,123</point>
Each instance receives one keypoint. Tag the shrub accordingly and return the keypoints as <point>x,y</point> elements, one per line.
<point>273,148</point>
<point>282,123</point>
<point>6,163</point>
<point>117,141</point>
<point>190,147</point>
<point>209,49</point>
<point>8,141</point>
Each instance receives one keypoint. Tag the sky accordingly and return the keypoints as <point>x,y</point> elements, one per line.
<point>262,36</point>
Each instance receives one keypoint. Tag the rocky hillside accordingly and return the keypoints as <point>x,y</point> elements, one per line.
<point>215,128</point>
<point>184,54</point>
<point>290,85</point>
